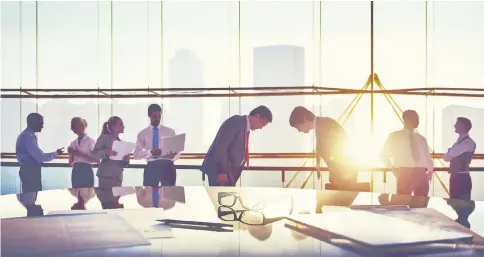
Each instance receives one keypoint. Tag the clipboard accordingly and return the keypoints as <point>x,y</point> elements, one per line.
<point>376,230</point>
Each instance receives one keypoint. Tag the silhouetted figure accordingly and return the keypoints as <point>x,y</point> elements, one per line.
<point>330,138</point>
<point>407,154</point>
<point>460,157</point>
<point>30,156</point>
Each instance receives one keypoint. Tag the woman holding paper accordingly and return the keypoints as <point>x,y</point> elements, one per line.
<point>110,171</point>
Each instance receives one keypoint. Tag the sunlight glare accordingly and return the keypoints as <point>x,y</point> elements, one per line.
<point>363,151</point>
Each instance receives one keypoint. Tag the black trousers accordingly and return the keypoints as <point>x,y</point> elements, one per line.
<point>82,175</point>
<point>31,178</point>
<point>460,186</point>
<point>159,172</point>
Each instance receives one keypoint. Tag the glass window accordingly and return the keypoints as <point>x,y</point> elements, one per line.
<point>68,44</point>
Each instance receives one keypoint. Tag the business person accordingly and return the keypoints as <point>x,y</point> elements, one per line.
<point>460,157</point>
<point>224,161</point>
<point>80,155</point>
<point>110,172</point>
<point>30,156</point>
<point>407,154</point>
<point>160,168</point>
<point>330,138</point>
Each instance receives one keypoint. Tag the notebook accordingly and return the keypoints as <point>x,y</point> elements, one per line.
<point>376,230</point>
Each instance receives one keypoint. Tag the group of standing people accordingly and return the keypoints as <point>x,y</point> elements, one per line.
<point>405,152</point>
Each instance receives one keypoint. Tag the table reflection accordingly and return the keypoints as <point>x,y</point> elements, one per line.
<point>257,214</point>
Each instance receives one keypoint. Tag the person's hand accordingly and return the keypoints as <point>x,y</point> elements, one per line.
<point>156,152</point>
<point>110,152</point>
<point>126,157</point>
<point>430,175</point>
<point>222,179</point>
<point>70,150</point>
<point>170,155</point>
<point>60,151</point>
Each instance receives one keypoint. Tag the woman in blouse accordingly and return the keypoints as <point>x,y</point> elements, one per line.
<point>110,172</point>
<point>80,155</point>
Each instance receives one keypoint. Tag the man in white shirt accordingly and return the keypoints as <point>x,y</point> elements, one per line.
<point>460,157</point>
<point>407,154</point>
<point>160,168</point>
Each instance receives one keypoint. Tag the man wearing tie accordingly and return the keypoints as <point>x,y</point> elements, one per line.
<point>460,157</point>
<point>330,138</point>
<point>160,168</point>
<point>30,156</point>
<point>407,154</point>
<point>224,161</point>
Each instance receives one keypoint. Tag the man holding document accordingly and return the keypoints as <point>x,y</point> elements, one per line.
<point>160,168</point>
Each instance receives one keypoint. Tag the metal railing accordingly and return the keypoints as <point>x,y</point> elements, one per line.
<point>281,169</point>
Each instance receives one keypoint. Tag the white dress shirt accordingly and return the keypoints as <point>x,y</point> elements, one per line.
<point>144,143</point>
<point>397,151</point>
<point>85,146</point>
<point>467,145</point>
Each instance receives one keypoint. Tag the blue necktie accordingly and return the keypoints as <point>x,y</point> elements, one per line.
<point>156,196</point>
<point>156,136</point>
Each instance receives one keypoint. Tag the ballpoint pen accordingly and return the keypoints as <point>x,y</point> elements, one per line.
<point>195,223</point>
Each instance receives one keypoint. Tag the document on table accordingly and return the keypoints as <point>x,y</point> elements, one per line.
<point>67,233</point>
<point>174,144</point>
<point>122,149</point>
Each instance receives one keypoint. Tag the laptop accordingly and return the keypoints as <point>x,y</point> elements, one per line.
<point>174,144</point>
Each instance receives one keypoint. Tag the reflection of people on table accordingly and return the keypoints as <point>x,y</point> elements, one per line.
<point>107,198</point>
<point>411,201</point>
<point>83,195</point>
<point>407,154</point>
<point>463,209</point>
<point>153,197</point>
<point>460,157</point>
<point>28,201</point>
<point>110,172</point>
<point>80,155</point>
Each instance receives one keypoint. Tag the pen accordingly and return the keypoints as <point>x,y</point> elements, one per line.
<point>198,223</point>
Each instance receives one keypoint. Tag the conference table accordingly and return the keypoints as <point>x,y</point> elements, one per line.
<point>221,221</point>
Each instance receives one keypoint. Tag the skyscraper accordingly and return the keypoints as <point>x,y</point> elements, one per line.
<point>186,115</point>
<point>449,116</point>
<point>279,66</point>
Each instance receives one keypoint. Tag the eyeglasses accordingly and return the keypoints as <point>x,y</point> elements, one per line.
<point>248,217</point>
<point>229,199</point>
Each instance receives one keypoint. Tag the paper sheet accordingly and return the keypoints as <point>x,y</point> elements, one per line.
<point>174,144</point>
<point>123,149</point>
<point>65,233</point>
<point>148,226</point>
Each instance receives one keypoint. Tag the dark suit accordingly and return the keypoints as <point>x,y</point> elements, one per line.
<point>330,136</point>
<point>227,152</point>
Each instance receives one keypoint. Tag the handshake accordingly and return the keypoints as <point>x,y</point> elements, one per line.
<point>156,153</point>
